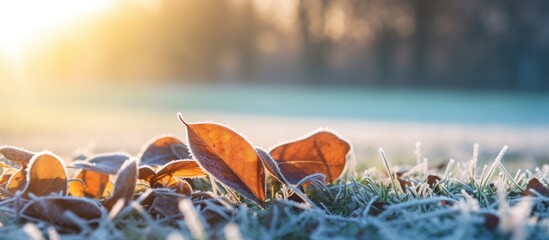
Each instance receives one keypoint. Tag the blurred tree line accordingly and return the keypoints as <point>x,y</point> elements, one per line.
<point>492,44</point>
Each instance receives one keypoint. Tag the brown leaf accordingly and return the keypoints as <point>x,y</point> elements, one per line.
<point>108,163</point>
<point>404,183</point>
<point>535,184</point>
<point>17,181</point>
<point>52,209</point>
<point>166,203</point>
<point>323,152</point>
<point>181,151</point>
<point>95,184</point>
<point>159,151</point>
<point>491,220</point>
<point>146,173</point>
<point>229,158</point>
<point>432,180</point>
<point>181,168</point>
<point>125,183</point>
<point>271,166</point>
<point>17,155</point>
<point>46,175</point>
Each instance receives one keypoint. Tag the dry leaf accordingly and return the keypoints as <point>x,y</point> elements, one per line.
<point>159,151</point>
<point>323,152</point>
<point>17,155</point>
<point>46,174</point>
<point>181,151</point>
<point>95,184</point>
<point>229,158</point>
<point>432,180</point>
<point>404,183</point>
<point>52,209</point>
<point>270,164</point>
<point>17,181</point>
<point>125,183</point>
<point>166,203</point>
<point>146,173</point>
<point>181,168</point>
<point>108,163</point>
<point>535,184</point>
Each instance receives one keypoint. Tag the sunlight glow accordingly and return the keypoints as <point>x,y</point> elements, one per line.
<point>24,21</point>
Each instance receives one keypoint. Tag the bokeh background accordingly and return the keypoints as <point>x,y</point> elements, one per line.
<point>108,75</point>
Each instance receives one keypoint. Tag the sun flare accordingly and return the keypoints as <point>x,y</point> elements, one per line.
<point>23,22</point>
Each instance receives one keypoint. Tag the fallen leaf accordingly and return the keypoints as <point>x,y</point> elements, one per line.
<point>159,151</point>
<point>166,203</point>
<point>95,184</point>
<point>491,220</point>
<point>404,183</point>
<point>229,158</point>
<point>6,175</point>
<point>46,174</point>
<point>432,180</point>
<point>17,155</point>
<point>323,152</point>
<point>51,209</point>
<point>181,168</point>
<point>17,181</point>
<point>108,163</point>
<point>535,184</point>
<point>125,183</point>
<point>271,166</point>
<point>146,173</point>
<point>181,151</point>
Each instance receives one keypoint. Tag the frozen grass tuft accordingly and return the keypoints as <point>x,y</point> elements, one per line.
<point>468,202</point>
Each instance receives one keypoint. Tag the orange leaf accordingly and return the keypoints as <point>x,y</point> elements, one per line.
<point>95,184</point>
<point>229,158</point>
<point>17,155</point>
<point>17,181</point>
<point>125,183</point>
<point>46,175</point>
<point>108,163</point>
<point>52,209</point>
<point>146,173</point>
<point>181,168</point>
<point>323,152</point>
<point>159,151</point>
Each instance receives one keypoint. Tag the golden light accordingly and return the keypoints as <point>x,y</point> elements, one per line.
<point>24,22</point>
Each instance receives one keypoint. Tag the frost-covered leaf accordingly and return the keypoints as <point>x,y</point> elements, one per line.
<point>146,173</point>
<point>181,151</point>
<point>270,164</point>
<point>108,163</point>
<point>166,203</point>
<point>323,152</point>
<point>432,180</point>
<point>159,151</point>
<point>181,168</point>
<point>229,158</point>
<point>535,184</point>
<point>52,209</point>
<point>16,155</point>
<point>125,183</point>
<point>17,181</point>
<point>46,174</point>
<point>95,184</point>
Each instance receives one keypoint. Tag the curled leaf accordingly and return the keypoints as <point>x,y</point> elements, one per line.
<point>181,168</point>
<point>95,184</point>
<point>160,151</point>
<point>108,163</point>
<point>323,152</point>
<point>17,155</point>
<point>17,181</point>
<point>271,166</point>
<point>146,173</point>
<point>125,183</point>
<point>229,158</point>
<point>51,209</point>
<point>46,175</point>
